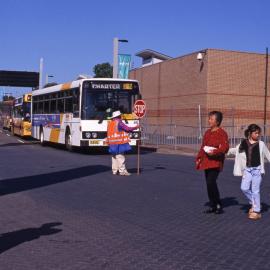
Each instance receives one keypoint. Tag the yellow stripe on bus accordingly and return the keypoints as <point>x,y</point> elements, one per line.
<point>66,86</point>
<point>129,116</point>
<point>55,132</point>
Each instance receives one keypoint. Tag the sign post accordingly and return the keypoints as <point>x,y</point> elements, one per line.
<point>139,110</point>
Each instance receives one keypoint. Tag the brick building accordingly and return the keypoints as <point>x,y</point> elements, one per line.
<point>230,81</point>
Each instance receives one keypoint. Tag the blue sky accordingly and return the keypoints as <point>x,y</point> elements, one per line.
<point>73,36</point>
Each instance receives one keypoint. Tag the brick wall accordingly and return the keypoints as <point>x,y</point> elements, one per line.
<point>236,85</point>
<point>232,82</point>
<point>173,89</point>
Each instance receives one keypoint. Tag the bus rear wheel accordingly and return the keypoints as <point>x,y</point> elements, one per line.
<point>12,131</point>
<point>68,142</point>
<point>41,137</point>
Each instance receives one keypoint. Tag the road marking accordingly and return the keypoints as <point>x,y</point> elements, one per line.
<point>20,141</point>
<point>8,135</point>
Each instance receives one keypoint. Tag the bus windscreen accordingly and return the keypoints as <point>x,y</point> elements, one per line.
<point>100,99</point>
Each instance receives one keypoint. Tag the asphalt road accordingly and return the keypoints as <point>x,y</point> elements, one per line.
<point>62,210</point>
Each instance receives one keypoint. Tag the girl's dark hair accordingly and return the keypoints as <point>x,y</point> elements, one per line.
<point>252,128</point>
<point>218,115</point>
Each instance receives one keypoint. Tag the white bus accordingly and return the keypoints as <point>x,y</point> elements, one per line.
<point>77,113</point>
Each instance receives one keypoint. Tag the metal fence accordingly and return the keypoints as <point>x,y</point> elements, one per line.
<point>187,138</point>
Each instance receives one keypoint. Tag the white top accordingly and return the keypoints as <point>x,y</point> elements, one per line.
<point>241,160</point>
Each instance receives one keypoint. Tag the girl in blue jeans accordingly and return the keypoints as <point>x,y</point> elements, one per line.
<point>249,163</point>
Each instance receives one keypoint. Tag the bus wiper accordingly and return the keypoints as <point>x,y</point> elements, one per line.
<point>100,121</point>
<point>102,118</point>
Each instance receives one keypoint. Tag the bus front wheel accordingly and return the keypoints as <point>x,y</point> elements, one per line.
<point>41,137</point>
<point>68,141</point>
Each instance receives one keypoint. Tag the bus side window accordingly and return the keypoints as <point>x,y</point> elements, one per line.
<point>53,106</point>
<point>46,106</point>
<point>60,105</point>
<point>34,107</point>
<point>75,102</point>
<point>40,107</point>
<point>68,105</point>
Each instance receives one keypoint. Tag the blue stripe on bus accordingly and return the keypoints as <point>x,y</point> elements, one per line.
<point>46,120</point>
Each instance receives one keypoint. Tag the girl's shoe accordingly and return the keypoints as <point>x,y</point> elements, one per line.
<point>250,210</point>
<point>255,215</point>
<point>125,173</point>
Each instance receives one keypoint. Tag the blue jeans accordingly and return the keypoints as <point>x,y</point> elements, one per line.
<point>250,186</point>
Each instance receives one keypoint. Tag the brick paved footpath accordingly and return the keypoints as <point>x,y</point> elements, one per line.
<point>65,211</point>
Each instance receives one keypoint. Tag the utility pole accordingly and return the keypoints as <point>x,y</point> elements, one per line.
<point>115,55</point>
<point>47,78</point>
<point>40,72</point>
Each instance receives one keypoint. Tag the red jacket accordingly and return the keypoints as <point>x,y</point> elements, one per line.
<point>219,140</point>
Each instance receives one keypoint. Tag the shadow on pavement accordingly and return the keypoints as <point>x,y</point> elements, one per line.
<point>12,239</point>
<point>229,201</point>
<point>96,150</point>
<point>226,202</point>
<point>13,185</point>
<point>15,144</point>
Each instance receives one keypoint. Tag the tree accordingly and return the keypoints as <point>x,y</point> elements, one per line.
<point>6,98</point>
<point>104,70</point>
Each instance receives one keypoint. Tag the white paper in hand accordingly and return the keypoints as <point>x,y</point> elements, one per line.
<point>208,149</point>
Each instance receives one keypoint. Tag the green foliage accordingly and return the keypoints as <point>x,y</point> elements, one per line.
<point>103,70</point>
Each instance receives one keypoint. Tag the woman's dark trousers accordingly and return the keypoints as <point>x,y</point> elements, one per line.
<point>211,176</point>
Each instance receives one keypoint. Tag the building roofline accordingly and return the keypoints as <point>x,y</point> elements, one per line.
<point>235,51</point>
<point>198,51</point>
<point>151,52</point>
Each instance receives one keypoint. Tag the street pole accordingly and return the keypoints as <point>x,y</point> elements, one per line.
<point>47,78</point>
<point>40,72</point>
<point>265,93</point>
<point>138,156</point>
<point>115,58</point>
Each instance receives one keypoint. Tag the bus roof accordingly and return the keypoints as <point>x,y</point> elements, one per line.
<point>74,84</point>
<point>24,98</point>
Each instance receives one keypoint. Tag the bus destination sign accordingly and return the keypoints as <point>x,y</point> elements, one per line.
<point>112,85</point>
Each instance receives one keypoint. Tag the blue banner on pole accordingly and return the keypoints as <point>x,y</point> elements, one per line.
<point>123,65</point>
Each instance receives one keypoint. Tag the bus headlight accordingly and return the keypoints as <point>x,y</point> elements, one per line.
<point>94,135</point>
<point>134,135</point>
<point>88,135</point>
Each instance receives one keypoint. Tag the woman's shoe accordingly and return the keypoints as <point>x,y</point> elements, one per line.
<point>210,210</point>
<point>219,209</point>
<point>255,215</point>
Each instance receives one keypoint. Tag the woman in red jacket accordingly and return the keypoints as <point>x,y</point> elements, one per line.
<point>211,158</point>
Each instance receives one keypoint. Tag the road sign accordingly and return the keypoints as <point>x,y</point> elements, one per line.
<point>139,108</point>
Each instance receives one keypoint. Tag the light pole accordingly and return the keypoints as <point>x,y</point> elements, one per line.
<point>47,78</point>
<point>40,72</point>
<point>115,55</point>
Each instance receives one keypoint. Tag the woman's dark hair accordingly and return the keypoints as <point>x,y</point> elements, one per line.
<point>252,128</point>
<point>218,115</point>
